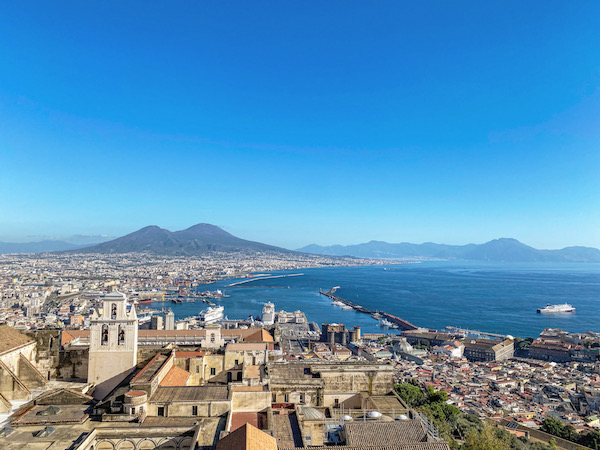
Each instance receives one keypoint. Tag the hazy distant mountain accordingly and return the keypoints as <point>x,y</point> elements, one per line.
<point>36,247</point>
<point>84,239</point>
<point>503,249</point>
<point>196,240</point>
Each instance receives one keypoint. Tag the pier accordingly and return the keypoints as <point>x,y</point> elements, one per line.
<point>270,277</point>
<point>476,332</point>
<point>405,325</point>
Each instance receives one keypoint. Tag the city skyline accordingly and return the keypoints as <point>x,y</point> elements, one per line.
<point>295,124</point>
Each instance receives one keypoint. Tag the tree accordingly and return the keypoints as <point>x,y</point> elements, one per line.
<point>411,394</point>
<point>591,440</point>
<point>487,439</point>
<point>553,427</point>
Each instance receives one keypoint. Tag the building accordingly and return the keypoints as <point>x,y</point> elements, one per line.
<point>488,350</point>
<point>336,333</point>
<point>169,320</point>
<point>156,323</point>
<point>290,317</point>
<point>268,314</point>
<point>18,374</point>
<point>113,344</point>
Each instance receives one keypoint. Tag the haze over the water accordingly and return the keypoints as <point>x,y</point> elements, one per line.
<point>293,123</point>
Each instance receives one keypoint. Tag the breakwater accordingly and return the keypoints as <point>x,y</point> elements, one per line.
<point>270,277</point>
<point>404,324</point>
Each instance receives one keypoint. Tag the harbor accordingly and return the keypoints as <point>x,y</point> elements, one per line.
<point>378,315</point>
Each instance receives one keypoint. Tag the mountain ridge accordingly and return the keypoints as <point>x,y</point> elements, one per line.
<point>198,239</point>
<point>37,247</point>
<point>502,249</point>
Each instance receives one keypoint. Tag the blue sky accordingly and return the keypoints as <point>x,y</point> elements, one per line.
<point>299,122</point>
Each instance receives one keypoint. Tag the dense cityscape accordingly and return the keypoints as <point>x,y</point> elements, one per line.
<point>52,301</point>
<point>299,225</point>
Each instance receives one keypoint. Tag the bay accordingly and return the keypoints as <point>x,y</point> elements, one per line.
<point>492,297</point>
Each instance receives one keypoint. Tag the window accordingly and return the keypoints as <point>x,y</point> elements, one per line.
<point>121,340</point>
<point>113,311</point>
<point>253,360</point>
<point>212,337</point>
<point>302,398</point>
<point>132,410</point>
<point>337,402</point>
<point>286,398</point>
<point>197,369</point>
<point>104,339</point>
<point>236,362</point>
<point>239,376</point>
<point>229,376</point>
<point>274,398</point>
<point>213,371</point>
<point>160,411</point>
<point>194,410</point>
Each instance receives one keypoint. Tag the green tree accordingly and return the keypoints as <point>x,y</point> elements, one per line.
<point>487,439</point>
<point>553,426</point>
<point>591,440</point>
<point>411,394</point>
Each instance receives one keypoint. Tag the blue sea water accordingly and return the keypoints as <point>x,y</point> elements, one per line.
<point>493,297</point>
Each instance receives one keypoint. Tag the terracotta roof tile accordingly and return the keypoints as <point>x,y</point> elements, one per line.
<point>247,437</point>
<point>175,377</point>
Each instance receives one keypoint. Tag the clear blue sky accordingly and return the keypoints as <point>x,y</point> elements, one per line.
<point>293,122</point>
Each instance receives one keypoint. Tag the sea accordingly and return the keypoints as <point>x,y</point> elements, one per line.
<point>492,297</point>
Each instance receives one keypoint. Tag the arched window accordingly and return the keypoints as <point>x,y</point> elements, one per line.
<point>113,311</point>
<point>104,339</point>
<point>212,337</point>
<point>121,340</point>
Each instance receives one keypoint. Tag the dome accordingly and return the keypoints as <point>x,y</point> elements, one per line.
<point>373,414</point>
<point>347,418</point>
<point>402,417</point>
<point>509,336</point>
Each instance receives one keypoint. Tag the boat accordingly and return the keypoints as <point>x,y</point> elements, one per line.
<point>549,309</point>
<point>384,323</point>
<point>212,314</point>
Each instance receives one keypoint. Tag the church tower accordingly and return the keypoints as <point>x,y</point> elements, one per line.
<point>113,344</point>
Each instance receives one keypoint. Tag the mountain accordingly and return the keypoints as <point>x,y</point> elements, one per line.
<point>503,249</point>
<point>37,247</point>
<point>196,240</point>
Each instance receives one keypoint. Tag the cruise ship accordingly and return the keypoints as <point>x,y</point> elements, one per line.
<point>564,308</point>
<point>212,314</point>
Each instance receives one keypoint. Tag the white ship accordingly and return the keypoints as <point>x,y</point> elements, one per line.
<point>564,308</point>
<point>145,319</point>
<point>384,323</point>
<point>341,305</point>
<point>212,314</point>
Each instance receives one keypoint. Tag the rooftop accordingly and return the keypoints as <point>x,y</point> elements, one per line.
<point>190,394</point>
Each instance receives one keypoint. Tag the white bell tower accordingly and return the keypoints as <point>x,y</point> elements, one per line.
<point>113,344</point>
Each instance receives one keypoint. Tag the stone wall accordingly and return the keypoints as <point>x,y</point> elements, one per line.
<point>73,364</point>
<point>47,358</point>
<point>250,401</point>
